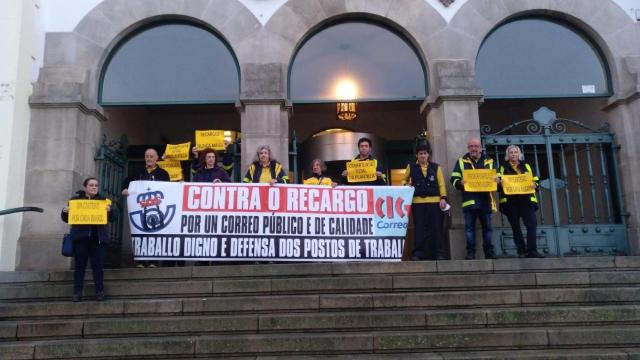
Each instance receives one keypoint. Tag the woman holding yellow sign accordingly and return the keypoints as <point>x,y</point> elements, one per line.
<point>88,214</point>
<point>518,200</point>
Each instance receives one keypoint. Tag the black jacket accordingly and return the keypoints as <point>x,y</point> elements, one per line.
<point>473,200</point>
<point>380,180</point>
<point>158,174</point>
<point>86,232</point>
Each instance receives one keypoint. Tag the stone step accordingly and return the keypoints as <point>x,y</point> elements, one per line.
<point>328,343</point>
<point>241,270</point>
<point>564,354</point>
<point>322,302</point>
<point>351,284</point>
<point>319,322</point>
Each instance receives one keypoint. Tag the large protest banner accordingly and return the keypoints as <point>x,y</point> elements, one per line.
<point>258,222</point>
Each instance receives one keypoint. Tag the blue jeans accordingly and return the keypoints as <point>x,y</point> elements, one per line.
<point>470,217</point>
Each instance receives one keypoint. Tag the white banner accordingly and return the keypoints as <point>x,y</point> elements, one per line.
<point>258,222</point>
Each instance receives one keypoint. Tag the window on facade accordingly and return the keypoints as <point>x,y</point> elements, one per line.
<point>356,60</point>
<point>172,63</point>
<point>536,57</point>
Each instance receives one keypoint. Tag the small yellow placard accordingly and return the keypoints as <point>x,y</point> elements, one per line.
<point>179,152</point>
<point>361,171</point>
<point>517,184</point>
<point>174,169</point>
<point>88,212</point>
<point>213,139</point>
<point>480,180</point>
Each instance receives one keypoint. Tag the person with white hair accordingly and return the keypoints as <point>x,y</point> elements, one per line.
<point>265,169</point>
<point>523,206</point>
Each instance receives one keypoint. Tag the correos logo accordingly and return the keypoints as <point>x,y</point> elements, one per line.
<point>151,218</point>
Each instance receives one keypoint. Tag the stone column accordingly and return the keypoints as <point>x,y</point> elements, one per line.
<point>264,122</point>
<point>623,112</point>
<point>63,139</point>
<point>452,118</point>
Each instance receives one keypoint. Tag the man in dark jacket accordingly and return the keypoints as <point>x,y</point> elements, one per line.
<point>475,205</point>
<point>365,148</point>
<point>151,172</point>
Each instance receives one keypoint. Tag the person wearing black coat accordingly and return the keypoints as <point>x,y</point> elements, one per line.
<point>516,207</point>
<point>206,167</point>
<point>151,172</point>
<point>89,242</point>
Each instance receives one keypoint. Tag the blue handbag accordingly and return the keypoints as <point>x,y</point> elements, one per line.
<point>67,245</point>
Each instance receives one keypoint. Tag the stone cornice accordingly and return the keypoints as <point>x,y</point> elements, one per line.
<point>436,100</point>
<point>86,107</point>
<point>622,99</point>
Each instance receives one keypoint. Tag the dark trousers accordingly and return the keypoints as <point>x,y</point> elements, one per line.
<point>88,250</point>
<point>527,213</point>
<point>470,217</point>
<point>427,219</point>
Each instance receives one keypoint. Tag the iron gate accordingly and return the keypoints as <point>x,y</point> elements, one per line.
<point>112,160</point>
<point>581,209</point>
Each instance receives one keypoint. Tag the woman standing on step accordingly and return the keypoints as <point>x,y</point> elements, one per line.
<point>524,206</point>
<point>429,202</point>
<point>89,242</point>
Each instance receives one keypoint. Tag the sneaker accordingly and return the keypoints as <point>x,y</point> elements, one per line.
<point>151,265</point>
<point>100,296</point>
<point>441,257</point>
<point>76,298</point>
<point>534,255</point>
<point>415,258</point>
<point>470,255</point>
<point>140,266</point>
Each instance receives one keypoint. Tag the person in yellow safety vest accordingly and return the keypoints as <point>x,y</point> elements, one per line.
<point>522,206</point>
<point>365,148</point>
<point>265,169</point>
<point>318,167</point>
<point>475,205</point>
<point>429,201</point>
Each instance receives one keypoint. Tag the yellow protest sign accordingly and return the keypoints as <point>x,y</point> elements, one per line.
<point>88,212</point>
<point>213,139</point>
<point>361,171</point>
<point>517,184</point>
<point>480,180</point>
<point>174,169</point>
<point>177,151</point>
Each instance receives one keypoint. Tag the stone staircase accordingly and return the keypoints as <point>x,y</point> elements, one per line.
<point>562,308</point>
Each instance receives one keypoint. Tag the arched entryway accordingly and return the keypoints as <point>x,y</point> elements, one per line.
<point>362,76</point>
<point>545,82</point>
<point>157,86</point>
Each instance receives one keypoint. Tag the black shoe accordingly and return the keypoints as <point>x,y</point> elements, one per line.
<point>534,255</point>
<point>522,253</point>
<point>415,258</point>
<point>76,298</point>
<point>441,257</point>
<point>100,296</point>
<point>489,255</point>
<point>470,255</point>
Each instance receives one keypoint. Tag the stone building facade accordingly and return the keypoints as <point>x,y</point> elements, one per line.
<point>66,122</point>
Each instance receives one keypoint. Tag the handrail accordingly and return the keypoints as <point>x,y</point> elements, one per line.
<point>21,209</point>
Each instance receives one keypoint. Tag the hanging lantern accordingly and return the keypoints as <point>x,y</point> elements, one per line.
<point>346,111</point>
